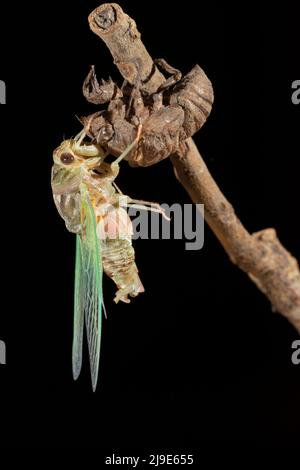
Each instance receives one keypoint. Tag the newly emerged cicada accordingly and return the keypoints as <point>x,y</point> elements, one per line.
<point>94,208</point>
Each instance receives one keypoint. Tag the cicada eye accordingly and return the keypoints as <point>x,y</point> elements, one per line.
<point>67,158</point>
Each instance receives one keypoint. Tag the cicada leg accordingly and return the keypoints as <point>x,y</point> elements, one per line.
<point>79,137</point>
<point>122,293</point>
<point>118,189</point>
<point>83,133</point>
<point>147,206</point>
<point>141,204</point>
<point>175,74</point>
<point>115,165</point>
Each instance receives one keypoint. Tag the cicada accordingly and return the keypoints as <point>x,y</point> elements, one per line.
<point>94,208</point>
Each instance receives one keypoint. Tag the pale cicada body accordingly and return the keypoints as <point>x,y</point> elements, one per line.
<point>94,209</point>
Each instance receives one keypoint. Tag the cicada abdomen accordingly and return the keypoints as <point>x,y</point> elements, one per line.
<point>115,231</point>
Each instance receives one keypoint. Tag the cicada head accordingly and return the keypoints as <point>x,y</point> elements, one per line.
<point>75,153</point>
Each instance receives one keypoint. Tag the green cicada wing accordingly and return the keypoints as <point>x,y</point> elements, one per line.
<point>88,289</point>
<point>78,312</point>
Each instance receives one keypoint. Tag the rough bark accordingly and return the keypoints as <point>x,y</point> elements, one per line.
<point>270,266</point>
<point>120,34</point>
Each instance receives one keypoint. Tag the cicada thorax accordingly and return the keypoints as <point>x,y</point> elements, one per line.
<point>66,183</point>
<point>65,188</point>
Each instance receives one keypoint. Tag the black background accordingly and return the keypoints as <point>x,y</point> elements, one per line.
<point>199,358</point>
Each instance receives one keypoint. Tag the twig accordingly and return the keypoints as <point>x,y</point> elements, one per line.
<point>270,266</point>
<point>273,269</point>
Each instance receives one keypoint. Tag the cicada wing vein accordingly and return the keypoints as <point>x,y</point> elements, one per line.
<point>78,312</point>
<point>88,289</point>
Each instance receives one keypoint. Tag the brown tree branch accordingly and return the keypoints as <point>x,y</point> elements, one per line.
<point>120,34</point>
<point>270,266</point>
